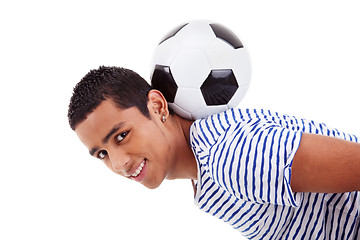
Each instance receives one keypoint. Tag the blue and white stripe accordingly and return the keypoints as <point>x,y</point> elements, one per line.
<point>244,169</point>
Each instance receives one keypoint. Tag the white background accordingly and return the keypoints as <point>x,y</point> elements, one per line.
<point>305,62</point>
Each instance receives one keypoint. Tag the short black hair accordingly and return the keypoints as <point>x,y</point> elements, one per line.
<point>123,86</point>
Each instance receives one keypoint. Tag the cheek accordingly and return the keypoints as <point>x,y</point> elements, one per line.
<point>108,164</point>
<point>160,143</point>
<point>153,145</point>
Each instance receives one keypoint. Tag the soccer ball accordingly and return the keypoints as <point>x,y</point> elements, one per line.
<point>202,68</point>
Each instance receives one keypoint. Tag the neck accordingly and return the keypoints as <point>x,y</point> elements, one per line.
<point>185,164</point>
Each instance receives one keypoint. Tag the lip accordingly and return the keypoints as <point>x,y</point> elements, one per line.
<point>142,174</point>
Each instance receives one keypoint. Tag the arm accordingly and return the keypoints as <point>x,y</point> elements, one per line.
<point>326,164</point>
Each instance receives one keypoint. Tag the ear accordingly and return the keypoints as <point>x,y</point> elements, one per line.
<point>158,103</point>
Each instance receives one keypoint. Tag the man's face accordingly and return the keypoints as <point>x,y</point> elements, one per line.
<point>128,142</point>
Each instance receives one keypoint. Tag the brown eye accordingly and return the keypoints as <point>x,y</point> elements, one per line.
<point>102,154</point>
<point>121,136</point>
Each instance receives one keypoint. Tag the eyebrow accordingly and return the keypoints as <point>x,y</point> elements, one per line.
<point>93,150</point>
<point>115,128</point>
<point>112,131</point>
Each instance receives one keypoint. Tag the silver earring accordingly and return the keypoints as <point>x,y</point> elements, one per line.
<point>163,119</point>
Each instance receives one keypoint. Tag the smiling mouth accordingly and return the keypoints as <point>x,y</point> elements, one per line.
<point>138,170</point>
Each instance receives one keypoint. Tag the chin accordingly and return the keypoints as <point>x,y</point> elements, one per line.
<point>152,185</point>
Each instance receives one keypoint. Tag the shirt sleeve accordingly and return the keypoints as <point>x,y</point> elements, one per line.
<point>253,161</point>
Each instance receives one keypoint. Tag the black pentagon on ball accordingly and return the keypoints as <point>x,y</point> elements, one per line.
<point>172,33</point>
<point>163,81</point>
<point>219,87</point>
<point>226,35</point>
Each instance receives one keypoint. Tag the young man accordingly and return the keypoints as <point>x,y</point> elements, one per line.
<point>270,176</point>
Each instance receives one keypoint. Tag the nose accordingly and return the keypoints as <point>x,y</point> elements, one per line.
<point>119,161</point>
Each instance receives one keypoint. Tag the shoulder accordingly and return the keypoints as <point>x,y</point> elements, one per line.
<point>217,124</point>
<point>207,131</point>
<point>212,127</point>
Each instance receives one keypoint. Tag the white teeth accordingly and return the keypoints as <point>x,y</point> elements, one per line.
<point>138,170</point>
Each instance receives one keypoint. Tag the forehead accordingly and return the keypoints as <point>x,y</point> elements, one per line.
<point>99,122</point>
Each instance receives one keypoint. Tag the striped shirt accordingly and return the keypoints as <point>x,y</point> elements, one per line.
<point>244,162</point>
